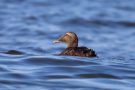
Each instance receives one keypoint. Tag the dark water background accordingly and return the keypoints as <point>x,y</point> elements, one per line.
<point>30,26</point>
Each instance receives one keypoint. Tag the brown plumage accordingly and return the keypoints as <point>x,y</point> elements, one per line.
<point>71,39</point>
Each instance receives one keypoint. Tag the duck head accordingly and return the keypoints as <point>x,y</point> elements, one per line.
<point>70,38</point>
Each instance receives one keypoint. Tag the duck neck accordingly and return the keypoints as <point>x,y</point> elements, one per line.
<point>73,44</point>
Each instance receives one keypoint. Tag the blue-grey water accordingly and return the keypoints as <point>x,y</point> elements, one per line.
<point>30,26</point>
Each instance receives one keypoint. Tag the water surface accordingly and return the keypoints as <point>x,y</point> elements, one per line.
<point>30,26</point>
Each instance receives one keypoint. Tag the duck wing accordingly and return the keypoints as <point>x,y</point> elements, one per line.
<point>79,51</point>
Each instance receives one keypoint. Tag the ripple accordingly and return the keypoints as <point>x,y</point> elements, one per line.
<point>98,75</point>
<point>3,69</point>
<point>126,23</point>
<point>98,22</point>
<point>58,77</point>
<point>14,52</point>
<point>54,61</point>
<point>18,75</point>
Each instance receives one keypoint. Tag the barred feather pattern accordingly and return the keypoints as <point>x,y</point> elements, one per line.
<point>79,51</point>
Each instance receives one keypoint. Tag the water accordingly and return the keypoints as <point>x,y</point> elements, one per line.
<point>30,26</point>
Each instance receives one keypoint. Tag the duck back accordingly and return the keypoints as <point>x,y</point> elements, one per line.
<point>79,51</point>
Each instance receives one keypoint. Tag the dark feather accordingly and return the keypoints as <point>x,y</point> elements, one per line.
<point>79,51</point>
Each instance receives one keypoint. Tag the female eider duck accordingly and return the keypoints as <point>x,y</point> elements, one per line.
<point>71,39</point>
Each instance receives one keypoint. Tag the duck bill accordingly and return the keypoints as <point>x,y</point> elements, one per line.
<point>59,40</point>
<point>56,41</point>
